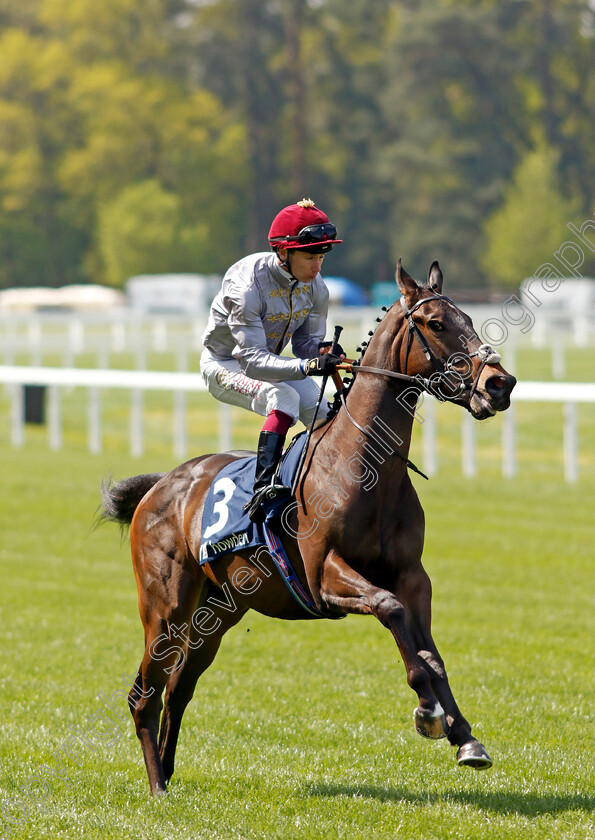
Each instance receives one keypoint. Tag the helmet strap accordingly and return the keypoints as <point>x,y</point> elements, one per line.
<point>286,264</point>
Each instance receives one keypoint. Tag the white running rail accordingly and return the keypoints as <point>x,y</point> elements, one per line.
<point>16,378</point>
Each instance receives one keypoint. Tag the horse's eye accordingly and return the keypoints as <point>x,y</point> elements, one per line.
<point>435,326</point>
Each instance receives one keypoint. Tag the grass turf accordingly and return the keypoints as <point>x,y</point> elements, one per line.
<point>304,730</point>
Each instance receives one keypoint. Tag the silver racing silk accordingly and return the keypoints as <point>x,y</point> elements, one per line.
<point>258,310</point>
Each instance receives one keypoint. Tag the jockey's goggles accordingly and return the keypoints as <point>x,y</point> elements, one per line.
<point>310,235</point>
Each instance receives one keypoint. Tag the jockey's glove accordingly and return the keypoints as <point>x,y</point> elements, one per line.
<point>324,365</point>
<point>323,344</point>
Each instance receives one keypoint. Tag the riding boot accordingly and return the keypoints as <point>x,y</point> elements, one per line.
<point>267,486</point>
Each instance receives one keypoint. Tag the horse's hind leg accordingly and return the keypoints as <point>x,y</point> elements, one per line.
<point>200,649</point>
<point>167,595</point>
<point>145,704</point>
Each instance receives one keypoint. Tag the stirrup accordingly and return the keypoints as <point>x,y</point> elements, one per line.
<point>257,507</point>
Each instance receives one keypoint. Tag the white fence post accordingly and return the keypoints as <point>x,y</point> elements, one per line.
<point>17,424</point>
<point>224,427</point>
<point>118,337</point>
<point>558,357</point>
<point>509,442</point>
<point>180,444</point>
<point>539,333</point>
<point>136,423</point>
<point>103,356</point>
<point>430,456</point>
<point>160,336</point>
<point>35,338</point>
<point>468,445</point>
<point>94,421</point>
<point>580,330</point>
<point>54,418</point>
<point>197,330</point>
<point>509,353</point>
<point>182,358</point>
<point>570,442</point>
<point>10,342</point>
<point>141,356</point>
<point>76,337</point>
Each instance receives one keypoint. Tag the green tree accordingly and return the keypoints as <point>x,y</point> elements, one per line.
<point>143,231</point>
<point>556,39</point>
<point>239,48</point>
<point>34,126</point>
<point>530,225</point>
<point>92,100</point>
<point>344,55</point>
<point>451,132</point>
<point>304,80</point>
<point>405,120</point>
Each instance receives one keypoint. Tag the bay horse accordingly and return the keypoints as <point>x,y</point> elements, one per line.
<point>354,533</point>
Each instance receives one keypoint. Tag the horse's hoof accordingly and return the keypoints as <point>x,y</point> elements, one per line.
<point>473,754</point>
<point>430,725</point>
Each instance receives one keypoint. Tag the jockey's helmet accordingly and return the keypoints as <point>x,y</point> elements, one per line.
<point>303,226</point>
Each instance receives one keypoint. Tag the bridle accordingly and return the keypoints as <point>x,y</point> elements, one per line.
<point>484,352</point>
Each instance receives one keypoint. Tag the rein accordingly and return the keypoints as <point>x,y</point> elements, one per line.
<point>365,432</point>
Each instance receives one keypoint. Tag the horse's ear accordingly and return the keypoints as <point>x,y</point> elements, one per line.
<point>407,285</point>
<point>435,278</point>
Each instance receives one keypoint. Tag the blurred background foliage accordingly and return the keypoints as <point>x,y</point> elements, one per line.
<point>164,135</point>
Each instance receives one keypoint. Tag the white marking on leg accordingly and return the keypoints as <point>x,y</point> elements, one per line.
<point>438,710</point>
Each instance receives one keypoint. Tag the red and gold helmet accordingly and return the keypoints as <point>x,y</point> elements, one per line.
<point>303,226</point>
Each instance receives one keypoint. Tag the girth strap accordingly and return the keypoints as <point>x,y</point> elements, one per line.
<point>290,578</point>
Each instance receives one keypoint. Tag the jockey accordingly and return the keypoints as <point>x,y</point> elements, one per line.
<point>266,300</point>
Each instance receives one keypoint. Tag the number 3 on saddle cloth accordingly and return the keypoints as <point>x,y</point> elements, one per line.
<point>226,528</point>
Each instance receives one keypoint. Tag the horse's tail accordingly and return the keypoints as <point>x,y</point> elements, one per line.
<point>120,499</point>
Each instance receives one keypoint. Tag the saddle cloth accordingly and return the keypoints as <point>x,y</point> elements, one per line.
<point>225,526</point>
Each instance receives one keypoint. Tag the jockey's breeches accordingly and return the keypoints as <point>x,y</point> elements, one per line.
<point>227,383</point>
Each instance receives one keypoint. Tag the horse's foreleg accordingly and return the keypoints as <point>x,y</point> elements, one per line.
<point>415,592</point>
<point>344,589</point>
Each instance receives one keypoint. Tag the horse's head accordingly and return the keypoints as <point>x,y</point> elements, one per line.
<point>432,341</point>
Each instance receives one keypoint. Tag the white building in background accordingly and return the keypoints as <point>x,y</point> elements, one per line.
<point>81,298</point>
<point>560,294</point>
<point>178,294</point>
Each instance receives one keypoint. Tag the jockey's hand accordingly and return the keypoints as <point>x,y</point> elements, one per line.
<point>324,365</point>
<point>325,347</point>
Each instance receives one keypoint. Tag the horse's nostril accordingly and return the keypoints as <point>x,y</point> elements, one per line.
<point>500,386</point>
